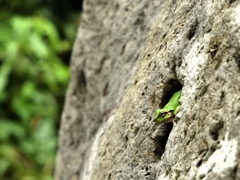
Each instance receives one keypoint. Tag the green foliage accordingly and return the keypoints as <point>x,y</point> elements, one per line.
<point>33,81</point>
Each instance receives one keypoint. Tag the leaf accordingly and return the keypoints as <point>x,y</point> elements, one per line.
<point>9,128</point>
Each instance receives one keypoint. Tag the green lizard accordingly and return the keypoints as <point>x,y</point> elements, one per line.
<point>168,113</point>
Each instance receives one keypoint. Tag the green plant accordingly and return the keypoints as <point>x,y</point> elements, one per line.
<point>33,80</point>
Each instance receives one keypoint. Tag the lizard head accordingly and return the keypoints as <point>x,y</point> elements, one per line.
<point>162,116</point>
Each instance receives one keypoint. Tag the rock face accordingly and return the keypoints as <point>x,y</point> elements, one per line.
<point>128,59</point>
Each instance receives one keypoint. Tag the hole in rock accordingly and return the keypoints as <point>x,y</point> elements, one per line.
<point>172,86</point>
<point>192,31</point>
<point>161,141</point>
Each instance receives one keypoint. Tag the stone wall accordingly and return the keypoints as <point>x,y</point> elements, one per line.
<point>128,60</point>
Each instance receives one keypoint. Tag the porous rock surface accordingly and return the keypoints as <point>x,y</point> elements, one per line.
<point>128,59</point>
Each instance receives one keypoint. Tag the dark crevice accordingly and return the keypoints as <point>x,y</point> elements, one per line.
<point>235,172</point>
<point>232,1</point>
<point>215,128</point>
<point>172,86</point>
<point>238,113</point>
<point>105,90</point>
<point>161,141</point>
<point>214,136</point>
<point>209,153</point>
<point>213,47</point>
<point>192,30</point>
<point>237,59</point>
<point>110,176</point>
<point>222,95</point>
<point>213,53</point>
<point>135,82</point>
<point>136,130</point>
<point>164,35</point>
<point>82,78</point>
<point>81,84</point>
<point>202,176</point>
<point>123,49</point>
<point>199,163</point>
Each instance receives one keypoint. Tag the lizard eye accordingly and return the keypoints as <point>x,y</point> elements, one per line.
<point>162,113</point>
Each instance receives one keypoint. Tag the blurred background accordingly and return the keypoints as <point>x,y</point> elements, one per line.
<point>36,38</point>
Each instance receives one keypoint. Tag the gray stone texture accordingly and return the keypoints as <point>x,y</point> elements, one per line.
<point>128,59</point>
